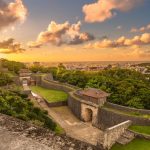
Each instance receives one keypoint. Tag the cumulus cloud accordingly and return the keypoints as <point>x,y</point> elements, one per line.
<point>105,9</point>
<point>58,34</point>
<point>141,29</point>
<point>9,46</point>
<point>134,42</point>
<point>12,12</point>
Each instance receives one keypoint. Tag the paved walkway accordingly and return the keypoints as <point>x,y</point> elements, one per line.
<point>73,127</point>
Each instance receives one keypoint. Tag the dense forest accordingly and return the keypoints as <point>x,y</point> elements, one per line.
<point>127,87</point>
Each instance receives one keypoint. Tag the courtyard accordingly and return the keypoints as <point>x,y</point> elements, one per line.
<point>49,94</point>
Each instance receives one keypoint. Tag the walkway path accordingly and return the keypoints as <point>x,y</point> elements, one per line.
<point>73,127</point>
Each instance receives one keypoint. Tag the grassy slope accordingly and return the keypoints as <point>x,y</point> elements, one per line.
<point>141,129</point>
<point>137,144</point>
<point>50,95</point>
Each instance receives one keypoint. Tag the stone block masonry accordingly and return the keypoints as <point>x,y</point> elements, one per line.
<point>127,109</point>
<point>74,105</point>
<point>107,118</point>
<point>112,134</point>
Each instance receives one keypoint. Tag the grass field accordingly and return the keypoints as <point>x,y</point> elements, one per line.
<point>50,95</point>
<point>137,144</point>
<point>141,129</point>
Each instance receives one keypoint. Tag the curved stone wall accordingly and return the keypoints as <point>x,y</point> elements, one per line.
<point>108,118</point>
<point>56,85</point>
<point>127,109</point>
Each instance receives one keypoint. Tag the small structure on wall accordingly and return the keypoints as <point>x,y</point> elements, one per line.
<point>91,100</point>
<point>25,77</point>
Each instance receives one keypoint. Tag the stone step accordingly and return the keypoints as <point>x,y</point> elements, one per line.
<point>126,138</point>
<point>128,135</point>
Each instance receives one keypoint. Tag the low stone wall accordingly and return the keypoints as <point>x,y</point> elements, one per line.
<point>107,118</point>
<point>56,104</point>
<point>127,109</point>
<point>111,135</point>
<point>140,135</point>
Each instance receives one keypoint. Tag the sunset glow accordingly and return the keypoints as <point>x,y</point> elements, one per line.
<point>84,30</point>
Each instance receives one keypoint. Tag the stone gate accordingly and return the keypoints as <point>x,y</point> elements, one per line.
<point>91,99</point>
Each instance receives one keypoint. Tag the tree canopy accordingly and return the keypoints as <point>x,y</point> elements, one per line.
<point>127,87</point>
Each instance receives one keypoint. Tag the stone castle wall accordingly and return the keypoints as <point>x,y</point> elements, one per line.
<point>74,105</point>
<point>107,118</point>
<point>56,85</point>
<point>112,134</point>
<point>127,109</point>
<point>37,78</point>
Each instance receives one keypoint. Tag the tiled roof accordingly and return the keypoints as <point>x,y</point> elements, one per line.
<point>93,92</point>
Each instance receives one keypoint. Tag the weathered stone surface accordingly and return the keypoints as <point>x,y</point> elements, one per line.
<point>16,134</point>
<point>126,138</point>
<point>111,135</point>
<point>108,118</point>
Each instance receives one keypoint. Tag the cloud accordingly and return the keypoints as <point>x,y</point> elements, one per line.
<point>9,46</point>
<point>58,34</point>
<point>134,42</point>
<point>105,9</point>
<point>141,29</point>
<point>12,12</point>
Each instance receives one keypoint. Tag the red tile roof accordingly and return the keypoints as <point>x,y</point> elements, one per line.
<point>93,92</point>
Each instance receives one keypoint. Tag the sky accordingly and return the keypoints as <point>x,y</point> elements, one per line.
<point>75,30</point>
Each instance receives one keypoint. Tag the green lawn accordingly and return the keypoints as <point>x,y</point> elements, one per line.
<point>137,144</point>
<point>141,129</point>
<point>50,95</point>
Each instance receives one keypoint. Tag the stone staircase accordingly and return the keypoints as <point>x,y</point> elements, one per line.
<point>126,138</point>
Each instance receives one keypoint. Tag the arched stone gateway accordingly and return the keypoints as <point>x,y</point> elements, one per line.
<point>89,113</point>
<point>91,99</point>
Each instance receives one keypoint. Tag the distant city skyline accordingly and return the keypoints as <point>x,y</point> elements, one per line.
<point>81,30</point>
